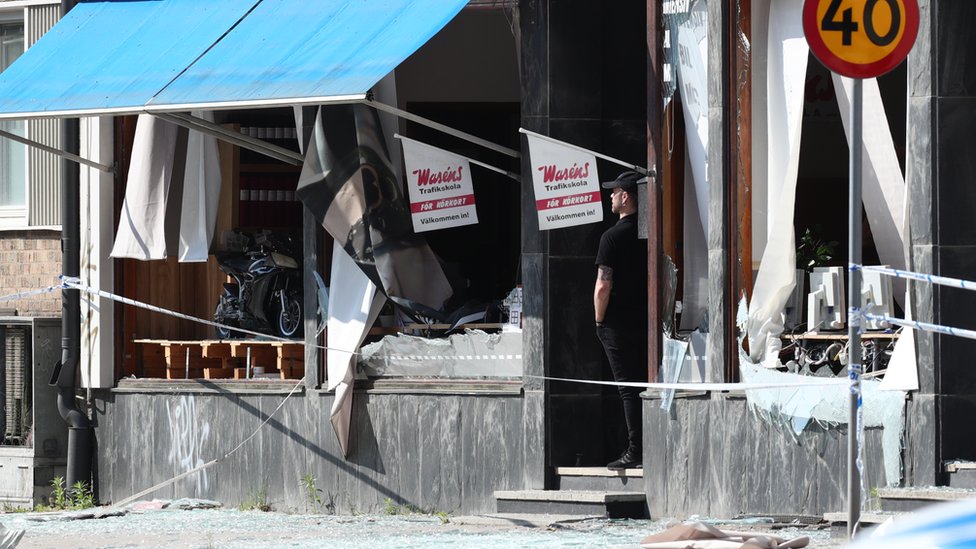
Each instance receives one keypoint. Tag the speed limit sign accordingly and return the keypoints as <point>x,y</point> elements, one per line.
<point>860,38</point>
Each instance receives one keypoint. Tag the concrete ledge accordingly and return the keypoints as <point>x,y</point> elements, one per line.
<point>208,386</point>
<point>598,472</point>
<point>957,466</point>
<point>571,496</point>
<point>527,520</point>
<point>872,518</point>
<point>931,493</point>
<point>581,503</point>
<point>912,499</point>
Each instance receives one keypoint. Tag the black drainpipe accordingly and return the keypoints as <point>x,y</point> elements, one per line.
<point>79,426</point>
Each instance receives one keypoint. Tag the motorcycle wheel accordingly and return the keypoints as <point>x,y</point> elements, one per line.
<point>289,317</point>
<point>220,316</point>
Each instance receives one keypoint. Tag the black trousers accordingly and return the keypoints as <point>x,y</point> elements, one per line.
<point>626,349</point>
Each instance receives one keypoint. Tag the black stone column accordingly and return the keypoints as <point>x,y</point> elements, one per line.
<point>941,176</point>
<point>583,71</point>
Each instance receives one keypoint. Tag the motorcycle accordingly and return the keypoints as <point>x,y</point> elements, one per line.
<point>266,294</point>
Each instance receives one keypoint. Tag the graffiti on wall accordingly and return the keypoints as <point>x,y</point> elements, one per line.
<point>189,433</point>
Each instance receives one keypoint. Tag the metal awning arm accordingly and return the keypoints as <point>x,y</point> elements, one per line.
<point>442,128</point>
<point>57,152</point>
<point>209,128</point>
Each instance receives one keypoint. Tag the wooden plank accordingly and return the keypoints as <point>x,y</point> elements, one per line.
<point>290,350</point>
<point>216,349</point>
<point>151,356</point>
<point>227,211</point>
<point>153,366</point>
<point>292,373</point>
<point>215,287</point>
<point>203,305</point>
<point>154,372</point>
<point>218,373</point>
<point>181,373</point>
<point>261,355</point>
<point>163,290</point>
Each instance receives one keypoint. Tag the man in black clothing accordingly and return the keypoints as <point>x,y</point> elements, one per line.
<point>620,306</point>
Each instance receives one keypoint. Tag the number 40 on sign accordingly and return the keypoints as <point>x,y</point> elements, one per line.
<point>860,38</point>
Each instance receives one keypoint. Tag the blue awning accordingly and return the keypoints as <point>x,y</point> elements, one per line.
<point>129,56</point>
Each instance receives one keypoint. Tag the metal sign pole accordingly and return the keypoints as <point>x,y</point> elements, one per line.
<point>854,308</point>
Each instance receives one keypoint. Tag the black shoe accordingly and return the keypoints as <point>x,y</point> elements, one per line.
<point>630,460</point>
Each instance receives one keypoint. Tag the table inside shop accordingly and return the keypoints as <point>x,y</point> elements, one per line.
<point>221,358</point>
<point>873,340</point>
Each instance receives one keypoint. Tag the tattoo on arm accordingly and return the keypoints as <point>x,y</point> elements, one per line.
<point>605,273</point>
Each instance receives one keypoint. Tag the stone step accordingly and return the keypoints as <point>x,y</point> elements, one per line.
<point>602,503</point>
<point>525,520</point>
<point>599,478</point>
<point>868,521</point>
<point>911,499</point>
<point>962,474</point>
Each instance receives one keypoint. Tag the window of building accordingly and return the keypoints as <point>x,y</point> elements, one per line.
<point>12,154</point>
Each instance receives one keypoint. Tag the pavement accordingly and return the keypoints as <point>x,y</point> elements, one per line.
<point>164,525</point>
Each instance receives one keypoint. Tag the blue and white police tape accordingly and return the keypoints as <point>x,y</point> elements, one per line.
<point>922,277</point>
<point>814,382</point>
<point>75,284</point>
<point>924,326</point>
<point>30,293</point>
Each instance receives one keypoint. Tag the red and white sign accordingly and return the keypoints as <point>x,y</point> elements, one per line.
<point>860,38</point>
<point>439,185</point>
<point>567,188</point>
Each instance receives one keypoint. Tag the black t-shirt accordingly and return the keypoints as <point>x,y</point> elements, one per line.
<point>622,251</point>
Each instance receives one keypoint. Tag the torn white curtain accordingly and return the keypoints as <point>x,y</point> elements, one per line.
<point>354,305</point>
<point>692,38</point>
<point>142,222</point>
<point>882,182</point>
<point>171,194</point>
<point>786,78</point>
<point>201,194</point>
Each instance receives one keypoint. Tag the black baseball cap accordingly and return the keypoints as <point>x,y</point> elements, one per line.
<point>627,181</point>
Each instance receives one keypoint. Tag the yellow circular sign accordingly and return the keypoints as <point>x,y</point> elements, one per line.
<point>860,38</point>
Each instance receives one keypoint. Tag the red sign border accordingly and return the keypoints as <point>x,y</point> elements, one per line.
<point>855,70</point>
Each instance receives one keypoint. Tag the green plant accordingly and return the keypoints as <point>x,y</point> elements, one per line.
<point>79,496</point>
<point>312,493</point>
<point>874,500</point>
<point>82,496</point>
<point>411,509</point>
<point>59,496</point>
<point>256,501</point>
<point>814,250</point>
